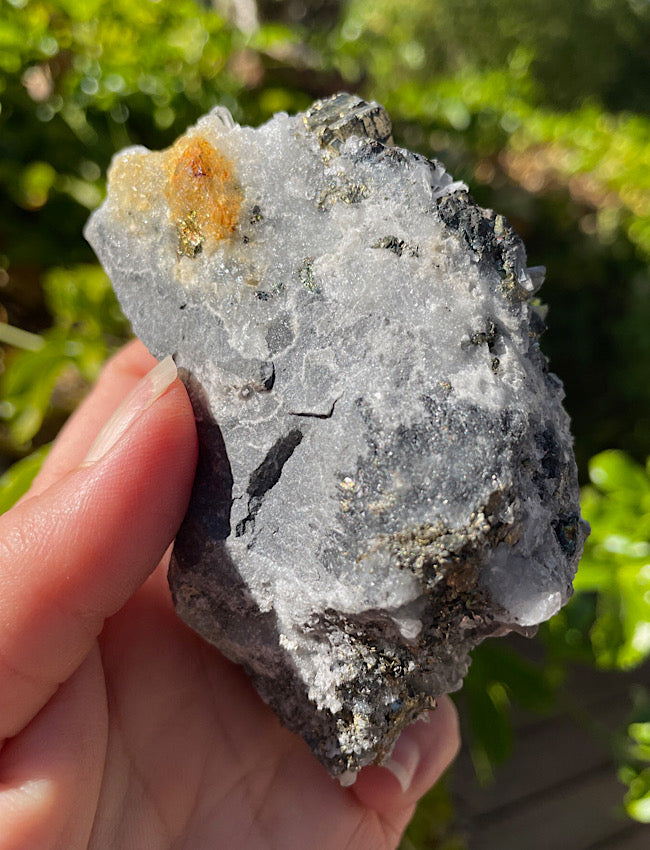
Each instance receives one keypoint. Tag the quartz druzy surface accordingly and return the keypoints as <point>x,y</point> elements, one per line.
<point>386,473</point>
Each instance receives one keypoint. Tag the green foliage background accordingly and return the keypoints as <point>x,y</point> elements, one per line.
<point>540,105</point>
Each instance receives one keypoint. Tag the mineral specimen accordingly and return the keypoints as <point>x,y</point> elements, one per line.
<point>386,474</point>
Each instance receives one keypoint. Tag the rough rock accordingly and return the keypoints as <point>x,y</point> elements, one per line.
<point>386,473</point>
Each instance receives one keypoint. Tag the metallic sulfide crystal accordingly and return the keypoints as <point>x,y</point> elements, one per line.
<point>386,474</point>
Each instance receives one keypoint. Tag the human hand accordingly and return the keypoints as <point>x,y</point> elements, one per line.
<point>119,727</point>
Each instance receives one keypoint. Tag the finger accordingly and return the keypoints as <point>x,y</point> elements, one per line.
<point>119,376</point>
<point>50,775</point>
<point>74,554</point>
<point>421,755</point>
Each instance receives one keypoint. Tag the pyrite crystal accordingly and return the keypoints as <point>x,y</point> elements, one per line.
<point>386,473</point>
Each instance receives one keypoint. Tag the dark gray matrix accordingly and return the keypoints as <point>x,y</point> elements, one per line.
<point>386,473</point>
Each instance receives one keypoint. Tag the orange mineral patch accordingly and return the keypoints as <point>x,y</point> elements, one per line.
<point>203,195</point>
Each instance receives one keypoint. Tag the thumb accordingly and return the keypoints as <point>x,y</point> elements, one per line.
<point>72,555</point>
<point>421,755</point>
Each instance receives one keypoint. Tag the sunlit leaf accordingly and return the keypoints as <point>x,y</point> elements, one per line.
<point>616,562</point>
<point>17,480</point>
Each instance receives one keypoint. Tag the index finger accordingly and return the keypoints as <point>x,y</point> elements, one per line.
<point>72,555</point>
<point>120,375</point>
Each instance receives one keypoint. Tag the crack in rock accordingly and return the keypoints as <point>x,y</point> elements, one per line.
<point>267,475</point>
<point>311,415</point>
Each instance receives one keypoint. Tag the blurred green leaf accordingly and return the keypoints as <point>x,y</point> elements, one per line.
<point>88,326</point>
<point>634,770</point>
<point>637,800</point>
<point>497,678</point>
<point>434,825</point>
<point>613,471</point>
<point>616,562</point>
<point>36,182</point>
<point>17,480</point>
<point>28,383</point>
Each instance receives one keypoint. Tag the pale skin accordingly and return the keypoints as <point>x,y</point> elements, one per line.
<point>119,727</point>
